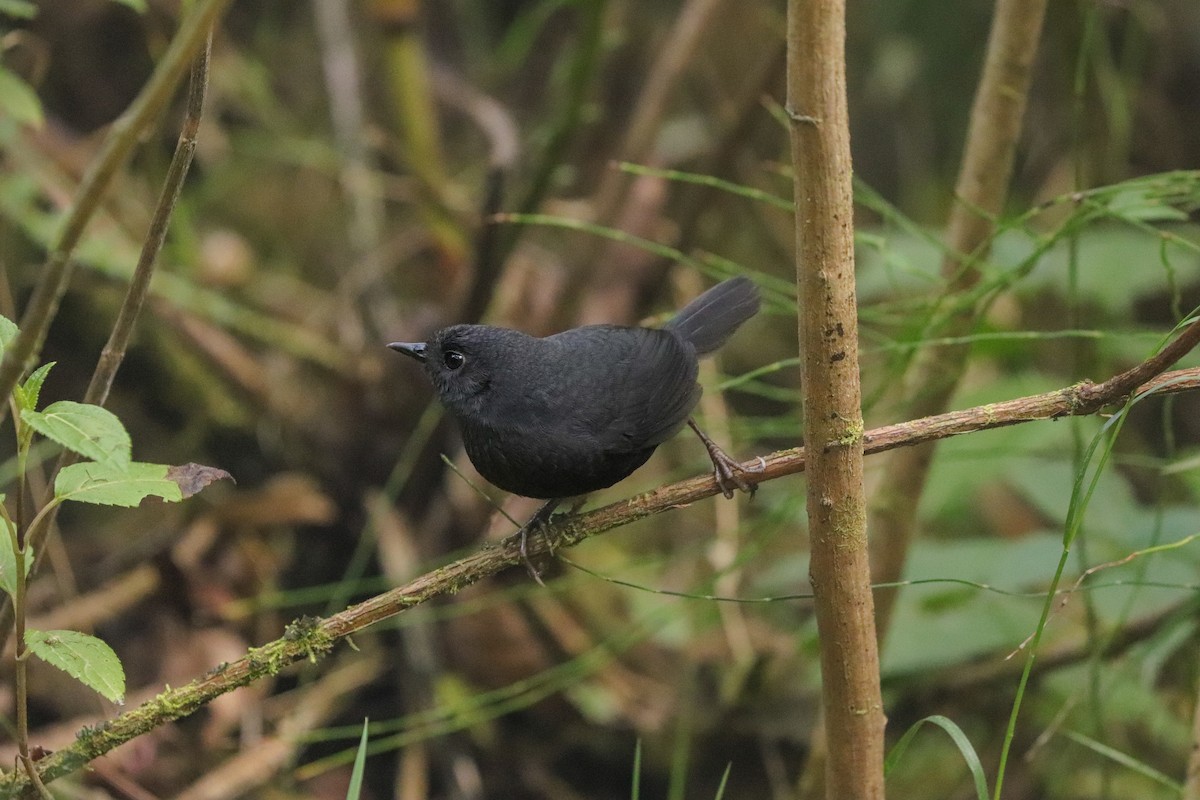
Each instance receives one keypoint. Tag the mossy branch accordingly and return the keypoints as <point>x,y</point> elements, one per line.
<point>309,638</point>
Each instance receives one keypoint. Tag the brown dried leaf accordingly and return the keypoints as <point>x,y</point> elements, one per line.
<point>194,477</point>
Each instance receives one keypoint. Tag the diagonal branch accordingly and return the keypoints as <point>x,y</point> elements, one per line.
<point>310,638</point>
<point>124,134</point>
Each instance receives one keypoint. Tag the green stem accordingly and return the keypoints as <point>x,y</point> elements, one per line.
<point>22,459</point>
<point>20,674</point>
<point>124,134</point>
<point>114,349</point>
<point>1080,499</point>
<point>33,533</point>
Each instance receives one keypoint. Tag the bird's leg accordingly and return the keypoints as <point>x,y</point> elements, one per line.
<point>726,469</point>
<point>539,518</point>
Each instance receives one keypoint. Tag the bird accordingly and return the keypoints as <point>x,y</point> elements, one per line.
<point>561,416</point>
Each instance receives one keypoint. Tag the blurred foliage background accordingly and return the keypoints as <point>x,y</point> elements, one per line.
<point>351,164</point>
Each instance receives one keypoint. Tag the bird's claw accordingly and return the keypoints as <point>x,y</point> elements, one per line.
<point>537,522</point>
<point>523,548</point>
<point>728,473</point>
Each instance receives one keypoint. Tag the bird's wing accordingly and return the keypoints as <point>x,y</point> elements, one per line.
<point>654,389</point>
<point>619,388</point>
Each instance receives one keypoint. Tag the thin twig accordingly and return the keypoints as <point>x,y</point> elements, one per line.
<point>311,638</point>
<point>118,341</point>
<point>124,134</point>
<point>139,285</point>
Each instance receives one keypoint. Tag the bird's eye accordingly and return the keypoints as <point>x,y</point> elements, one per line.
<point>453,359</point>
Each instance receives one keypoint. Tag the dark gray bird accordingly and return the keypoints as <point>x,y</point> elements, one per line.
<point>564,415</point>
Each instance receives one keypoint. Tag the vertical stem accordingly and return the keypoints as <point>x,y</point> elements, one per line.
<point>981,190</point>
<point>22,481</point>
<point>139,285</point>
<point>21,663</point>
<point>417,113</point>
<point>1191,783</point>
<point>841,580</point>
<point>19,631</point>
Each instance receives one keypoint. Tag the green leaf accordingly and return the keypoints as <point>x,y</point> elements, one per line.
<point>1144,203</point>
<point>970,757</point>
<point>113,484</point>
<point>8,332</point>
<point>85,658</point>
<point>1126,760</point>
<point>18,100</point>
<point>137,5</point>
<point>27,394</point>
<point>89,430</point>
<point>354,790</point>
<point>21,9</point>
<point>8,564</point>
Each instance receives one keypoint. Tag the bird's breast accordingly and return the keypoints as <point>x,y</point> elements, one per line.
<point>544,462</point>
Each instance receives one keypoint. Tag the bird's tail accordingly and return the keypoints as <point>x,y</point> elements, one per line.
<point>712,317</point>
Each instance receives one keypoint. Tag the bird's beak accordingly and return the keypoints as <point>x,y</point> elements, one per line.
<point>411,349</point>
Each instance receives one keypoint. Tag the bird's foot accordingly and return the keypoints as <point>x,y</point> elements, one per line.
<point>536,523</point>
<point>728,473</point>
<point>523,547</point>
<point>727,470</point>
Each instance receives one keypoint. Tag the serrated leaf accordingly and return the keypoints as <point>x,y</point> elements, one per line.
<point>89,430</point>
<point>18,100</point>
<point>27,394</point>
<point>192,477</point>
<point>113,484</point>
<point>85,658</point>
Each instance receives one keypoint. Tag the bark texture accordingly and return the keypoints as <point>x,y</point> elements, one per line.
<point>840,573</point>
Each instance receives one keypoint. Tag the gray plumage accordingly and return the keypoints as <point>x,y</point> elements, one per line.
<point>563,415</point>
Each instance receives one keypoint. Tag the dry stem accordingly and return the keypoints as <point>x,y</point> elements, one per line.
<point>982,187</point>
<point>852,702</point>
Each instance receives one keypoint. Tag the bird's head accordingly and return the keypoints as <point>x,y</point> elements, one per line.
<point>463,361</point>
